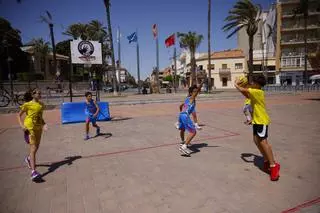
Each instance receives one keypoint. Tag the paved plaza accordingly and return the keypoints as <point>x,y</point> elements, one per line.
<point>135,166</point>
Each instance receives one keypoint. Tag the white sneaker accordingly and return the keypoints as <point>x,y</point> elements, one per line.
<point>184,149</point>
<point>197,126</point>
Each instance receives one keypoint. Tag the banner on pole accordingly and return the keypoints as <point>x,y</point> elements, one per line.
<point>86,52</point>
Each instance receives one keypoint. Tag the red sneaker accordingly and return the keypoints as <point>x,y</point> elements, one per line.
<point>266,166</point>
<point>274,172</point>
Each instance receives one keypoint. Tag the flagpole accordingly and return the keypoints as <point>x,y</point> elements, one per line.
<point>157,49</point>
<point>175,68</point>
<point>157,59</point>
<point>119,59</point>
<point>138,64</point>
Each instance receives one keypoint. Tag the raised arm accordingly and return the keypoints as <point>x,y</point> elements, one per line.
<point>244,91</point>
<point>194,95</point>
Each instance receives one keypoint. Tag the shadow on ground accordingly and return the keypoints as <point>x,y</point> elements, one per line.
<point>106,135</point>
<point>313,99</point>
<point>257,160</point>
<point>54,166</point>
<point>120,119</point>
<point>196,147</point>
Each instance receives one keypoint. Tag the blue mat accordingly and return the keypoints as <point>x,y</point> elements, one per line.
<point>75,112</point>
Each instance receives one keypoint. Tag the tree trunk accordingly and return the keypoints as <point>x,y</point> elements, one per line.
<point>250,62</point>
<point>209,46</point>
<point>305,49</point>
<point>193,68</point>
<point>53,49</point>
<point>114,78</point>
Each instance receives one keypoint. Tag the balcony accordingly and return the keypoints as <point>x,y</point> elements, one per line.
<point>293,62</point>
<point>299,27</point>
<point>290,14</point>
<point>299,41</point>
<point>224,71</point>
<point>288,2</point>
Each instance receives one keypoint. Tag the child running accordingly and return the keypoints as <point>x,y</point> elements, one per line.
<point>185,122</point>
<point>194,116</point>
<point>32,126</point>
<point>92,111</point>
<point>260,121</point>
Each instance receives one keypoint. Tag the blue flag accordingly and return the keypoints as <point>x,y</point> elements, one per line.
<point>133,37</point>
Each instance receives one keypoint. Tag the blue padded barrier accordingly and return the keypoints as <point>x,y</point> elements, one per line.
<point>74,112</point>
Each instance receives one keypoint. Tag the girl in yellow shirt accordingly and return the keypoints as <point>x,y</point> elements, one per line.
<point>32,126</point>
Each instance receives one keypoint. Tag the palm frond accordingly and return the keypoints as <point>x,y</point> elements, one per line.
<point>231,25</point>
<point>49,15</point>
<point>234,31</point>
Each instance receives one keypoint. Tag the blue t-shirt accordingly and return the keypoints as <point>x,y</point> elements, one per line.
<point>91,108</point>
<point>189,107</point>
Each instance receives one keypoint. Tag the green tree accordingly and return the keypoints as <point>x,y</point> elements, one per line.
<point>96,31</point>
<point>191,42</point>
<point>168,78</point>
<point>63,47</point>
<point>78,30</point>
<point>10,43</point>
<point>244,14</point>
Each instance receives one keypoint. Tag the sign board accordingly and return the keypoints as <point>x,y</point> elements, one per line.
<point>85,52</point>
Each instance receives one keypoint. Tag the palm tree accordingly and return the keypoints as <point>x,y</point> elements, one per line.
<point>244,14</point>
<point>77,30</point>
<point>114,78</point>
<point>48,20</point>
<point>96,31</point>
<point>41,49</point>
<point>191,41</point>
<point>303,8</point>
<point>209,46</point>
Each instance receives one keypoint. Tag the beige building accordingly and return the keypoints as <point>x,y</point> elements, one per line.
<point>290,54</point>
<point>45,68</point>
<point>226,66</point>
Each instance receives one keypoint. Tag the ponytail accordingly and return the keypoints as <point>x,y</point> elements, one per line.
<point>28,95</point>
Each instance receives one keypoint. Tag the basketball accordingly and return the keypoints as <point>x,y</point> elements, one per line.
<point>242,81</point>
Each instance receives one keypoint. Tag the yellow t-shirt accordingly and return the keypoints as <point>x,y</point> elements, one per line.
<point>260,115</point>
<point>34,111</point>
<point>247,101</point>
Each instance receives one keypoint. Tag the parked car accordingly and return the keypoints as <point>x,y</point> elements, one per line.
<point>123,87</point>
<point>107,88</point>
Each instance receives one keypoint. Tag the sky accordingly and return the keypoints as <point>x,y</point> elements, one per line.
<point>170,16</point>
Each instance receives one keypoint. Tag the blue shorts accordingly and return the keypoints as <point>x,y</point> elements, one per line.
<point>185,123</point>
<point>91,119</point>
<point>246,108</point>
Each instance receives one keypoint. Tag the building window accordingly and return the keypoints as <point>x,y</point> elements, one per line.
<point>225,81</point>
<point>212,66</point>
<point>238,66</point>
<point>224,66</point>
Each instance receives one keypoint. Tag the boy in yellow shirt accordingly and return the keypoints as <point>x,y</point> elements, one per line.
<point>32,126</point>
<point>260,121</point>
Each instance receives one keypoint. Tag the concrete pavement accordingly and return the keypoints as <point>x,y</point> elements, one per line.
<point>136,165</point>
